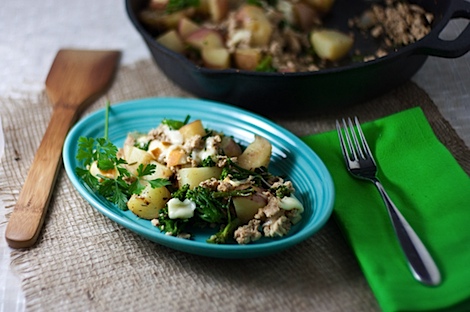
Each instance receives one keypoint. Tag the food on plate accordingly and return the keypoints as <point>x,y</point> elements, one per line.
<point>181,176</point>
<point>277,35</point>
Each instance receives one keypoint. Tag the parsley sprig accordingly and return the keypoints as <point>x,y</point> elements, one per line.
<point>122,184</point>
<point>175,124</point>
<point>116,189</point>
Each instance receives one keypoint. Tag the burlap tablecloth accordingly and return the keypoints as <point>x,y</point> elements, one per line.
<point>85,262</point>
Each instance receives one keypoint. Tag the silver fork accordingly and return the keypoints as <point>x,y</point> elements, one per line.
<point>361,164</point>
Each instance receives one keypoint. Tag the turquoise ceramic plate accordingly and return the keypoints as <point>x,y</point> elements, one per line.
<point>290,158</point>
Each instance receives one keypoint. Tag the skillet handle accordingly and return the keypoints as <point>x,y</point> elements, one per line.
<point>434,46</point>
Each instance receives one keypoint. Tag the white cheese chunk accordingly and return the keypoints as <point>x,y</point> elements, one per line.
<point>176,138</point>
<point>178,209</point>
<point>159,150</point>
<point>210,150</point>
<point>239,36</point>
<point>290,202</point>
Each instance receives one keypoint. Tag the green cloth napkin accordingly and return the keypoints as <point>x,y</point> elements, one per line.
<point>433,193</point>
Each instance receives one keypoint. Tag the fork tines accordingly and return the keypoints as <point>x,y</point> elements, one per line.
<point>352,146</point>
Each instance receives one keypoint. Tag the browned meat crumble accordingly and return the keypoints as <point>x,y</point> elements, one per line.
<point>396,24</point>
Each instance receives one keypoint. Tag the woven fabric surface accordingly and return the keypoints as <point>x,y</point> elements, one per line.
<point>86,262</point>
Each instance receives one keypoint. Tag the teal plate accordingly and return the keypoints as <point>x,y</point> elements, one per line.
<point>290,158</point>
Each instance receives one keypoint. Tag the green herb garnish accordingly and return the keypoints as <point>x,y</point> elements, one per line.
<point>175,124</point>
<point>265,65</point>
<point>119,188</point>
<point>178,5</point>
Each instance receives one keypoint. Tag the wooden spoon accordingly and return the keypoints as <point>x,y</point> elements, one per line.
<point>76,76</point>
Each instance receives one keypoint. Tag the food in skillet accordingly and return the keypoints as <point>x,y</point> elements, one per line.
<point>182,176</point>
<point>263,35</point>
<point>276,35</point>
<point>394,24</point>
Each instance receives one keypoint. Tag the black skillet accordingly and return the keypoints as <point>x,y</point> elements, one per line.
<point>293,93</point>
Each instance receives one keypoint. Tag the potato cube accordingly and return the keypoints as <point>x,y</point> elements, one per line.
<point>305,16</point>
<point>148,203</point>
<point>205,37</point>
<point>230,147</point>
<point>187,27</point>
<point>215,58</point>
<point>255,20</point>
<point>134,157</point>
<point>322,6</point>
<point>176,157</point>
<point>172,41</point>
<point>257,154</point>
<point>158,4</point>
<point>218,9</point>
<point>161,172</point>
<point>95,171</point>
<point>330,44</point>
<point>247,59</point>
<point>194,176</point>
<point>191,129</point>
<point>247,207</point>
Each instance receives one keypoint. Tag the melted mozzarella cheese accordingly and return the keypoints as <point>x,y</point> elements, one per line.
<point>210,150</point>
<point>289,203</point>
<point>175,137</point>
<point>178,209</point>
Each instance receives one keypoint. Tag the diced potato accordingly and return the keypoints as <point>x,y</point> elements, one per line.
<point>149,202</point>
<point>187,27</point>
<point>257,154</point>
<point>176,157</point>
<point>247,59</point>
<point>255,20</point>
<point>135,156</point>
<point>305,16</point>
<point>322,6</point>
<point>95,171</point>
<point>172,41</point>
<point>205,37</point>
<point>161,172</point>
<point>218,9</point>
<point>230,147</point>
<point>194,176</point>
<point>160,19</point>
<point>158,4</point>
<point>191,129</point>
<point>126,150</point>
<point>330,44</point>
<point>247,207</point>
<point>215,58</point>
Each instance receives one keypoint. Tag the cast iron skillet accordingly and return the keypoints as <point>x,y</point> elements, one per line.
<point>293,93</point>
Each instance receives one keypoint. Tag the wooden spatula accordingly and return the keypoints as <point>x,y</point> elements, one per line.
<point>76,76</point>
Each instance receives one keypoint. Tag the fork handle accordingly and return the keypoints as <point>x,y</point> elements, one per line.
<point>421,263</point>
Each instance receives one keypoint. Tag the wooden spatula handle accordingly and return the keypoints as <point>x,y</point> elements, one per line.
<point>28,215</point>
